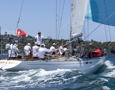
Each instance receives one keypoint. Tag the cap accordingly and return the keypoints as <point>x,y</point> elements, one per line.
<point>29,44</point>
<point>53,44</point>
<point>36,43</point>
<point>15,45</point>
<point>42,45</point>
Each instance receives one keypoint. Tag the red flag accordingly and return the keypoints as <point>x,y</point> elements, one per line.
<point>20,33</point>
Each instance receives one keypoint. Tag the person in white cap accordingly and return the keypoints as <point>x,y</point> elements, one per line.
<point>52,49</point>
<point>27,49</point>
<point>35,50</point>
<point>42,52</point>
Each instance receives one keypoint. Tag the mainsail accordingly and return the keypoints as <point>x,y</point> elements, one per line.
<point>78,10</point>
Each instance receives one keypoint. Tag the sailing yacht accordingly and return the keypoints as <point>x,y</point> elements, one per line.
<point>84,65</point>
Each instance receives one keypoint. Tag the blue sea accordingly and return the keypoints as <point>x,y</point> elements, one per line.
<point>60,79</point>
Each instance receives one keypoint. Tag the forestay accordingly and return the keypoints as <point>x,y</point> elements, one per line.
<point>78,10</point>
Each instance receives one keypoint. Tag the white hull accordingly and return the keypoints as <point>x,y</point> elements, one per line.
<point>85,66</point>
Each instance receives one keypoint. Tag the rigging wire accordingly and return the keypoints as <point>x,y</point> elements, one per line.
<point>58,15</point>
<point>108,22</point>
<point>84,31</point>
<point>105,33</point>
<point>109,44</point>
<point>105,11</point>
<point>100,24</point>
<point>61,18</point>
<point>56,19</point>
<point>109,33</point>
<point>88,21</point>
<point>18,21</point>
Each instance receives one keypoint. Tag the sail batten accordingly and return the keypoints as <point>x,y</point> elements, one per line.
<point>78,10</point>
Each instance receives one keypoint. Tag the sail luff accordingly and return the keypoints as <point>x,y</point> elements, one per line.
<point>78,10</point>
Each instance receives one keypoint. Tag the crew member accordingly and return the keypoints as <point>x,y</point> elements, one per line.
<point>42,52</point>
<point>61,50</point>
<point>52,49</point>
<point>39,38</point>
<point>13,52</point>
<point>35,50</point>
<point>27,49</point>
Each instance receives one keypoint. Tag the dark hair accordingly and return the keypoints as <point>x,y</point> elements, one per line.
<point>39,32</point>
<point>38,45</point>
<point>13,42</point>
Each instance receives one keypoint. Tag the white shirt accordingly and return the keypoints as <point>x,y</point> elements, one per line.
<point>65,49</point>
<point>42,52</point>
<point>38,39</point>
<point>27,50</point>
<point>35,50</point>
<point>61,50</point>
<point>52,49</point>
<point>13,52</point>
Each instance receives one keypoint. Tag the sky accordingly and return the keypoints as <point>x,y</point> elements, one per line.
<point>40,15</point>
<point>37,15</point>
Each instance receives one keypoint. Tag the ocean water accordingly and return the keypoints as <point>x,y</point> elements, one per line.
<point>60,79</point>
